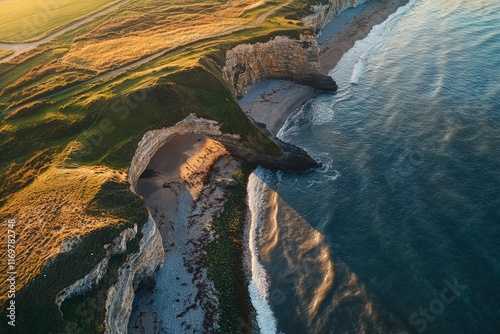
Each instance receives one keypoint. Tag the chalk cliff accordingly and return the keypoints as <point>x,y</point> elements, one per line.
<point>293,157</point>
<point>280,58</point>
<point>83,285</point>
<point>325,12</point>
<point>136,268</point>
<point>284,58</point>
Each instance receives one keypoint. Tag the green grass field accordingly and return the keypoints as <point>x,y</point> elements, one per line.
<point>27,20</point>
<point>224,258</point>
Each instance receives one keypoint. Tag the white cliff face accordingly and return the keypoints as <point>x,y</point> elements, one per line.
<point>153,140</point>
<point>136,268</point>
<point>292,158</point>
<point>281,57</point>
<point>83,285</point>
<point>143,264</point>
<point>324,13</point>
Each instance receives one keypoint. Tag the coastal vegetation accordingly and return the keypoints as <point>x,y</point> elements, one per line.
<point>225,259</point>
<point>37,312</point>
<point>27,20</point>
<point>72,111</point>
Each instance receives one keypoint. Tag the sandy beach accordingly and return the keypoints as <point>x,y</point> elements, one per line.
<point>271,102</point>
<point>184,186</point>
<point>343,38</point>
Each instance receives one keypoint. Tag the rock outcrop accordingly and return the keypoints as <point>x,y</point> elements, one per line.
<point>293,158</point>
<point>282,57</point>
<point>324,13</point>
<point>83,285</point>
<point>136,268</point>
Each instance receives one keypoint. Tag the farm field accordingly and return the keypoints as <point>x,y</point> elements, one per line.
<point>27,20</point>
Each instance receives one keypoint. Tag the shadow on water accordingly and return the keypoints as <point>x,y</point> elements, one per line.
<point>404,216</point>
<point>404,221</point>
<point>312,289</point>
<point>356,255</point>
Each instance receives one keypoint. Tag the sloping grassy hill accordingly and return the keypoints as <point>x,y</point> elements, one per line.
<point>26,20</point>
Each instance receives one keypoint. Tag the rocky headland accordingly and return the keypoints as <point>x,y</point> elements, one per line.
<point>280,58</point>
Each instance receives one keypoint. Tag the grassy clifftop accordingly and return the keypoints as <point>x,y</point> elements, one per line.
<point>26,20</point>
<point>73,110</point>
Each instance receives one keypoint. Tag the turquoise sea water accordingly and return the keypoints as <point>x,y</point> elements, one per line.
<point>399,231</point>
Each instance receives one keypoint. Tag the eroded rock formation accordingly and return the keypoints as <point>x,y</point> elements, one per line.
<point>293,158</point>
<point>280,58</point>
<point>80,287</point>
<point>324,13</point>
<point>136,268</point>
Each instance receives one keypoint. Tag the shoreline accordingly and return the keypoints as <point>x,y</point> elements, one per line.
<point>343,38</point>
<point>271,102</point>
<point>183,190</point>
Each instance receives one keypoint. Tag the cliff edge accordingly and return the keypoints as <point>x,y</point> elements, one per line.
<point>282,58</point>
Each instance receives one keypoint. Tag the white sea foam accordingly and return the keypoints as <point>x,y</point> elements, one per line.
<point>354,63</point>
<point>349,71</point>
<point>259,287</point>
<point>358,71</point>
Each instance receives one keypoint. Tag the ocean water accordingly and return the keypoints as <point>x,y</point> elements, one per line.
<point>399,231</point>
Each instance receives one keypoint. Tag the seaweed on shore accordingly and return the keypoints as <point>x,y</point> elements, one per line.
<point>224,259</point>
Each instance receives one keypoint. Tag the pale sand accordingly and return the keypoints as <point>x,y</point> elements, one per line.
<point>373,12</point>
<point>272,101</point>
<point>179,190</point>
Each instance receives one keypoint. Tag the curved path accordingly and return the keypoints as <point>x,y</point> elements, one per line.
<point>142,61</point>
<point>22,47</point>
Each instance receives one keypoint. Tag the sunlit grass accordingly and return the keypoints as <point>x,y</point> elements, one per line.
<point>5,53</point>
<point>121,41</point>
<point>139,29</point>
<point>26,20</point>
<point>50,212</point>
